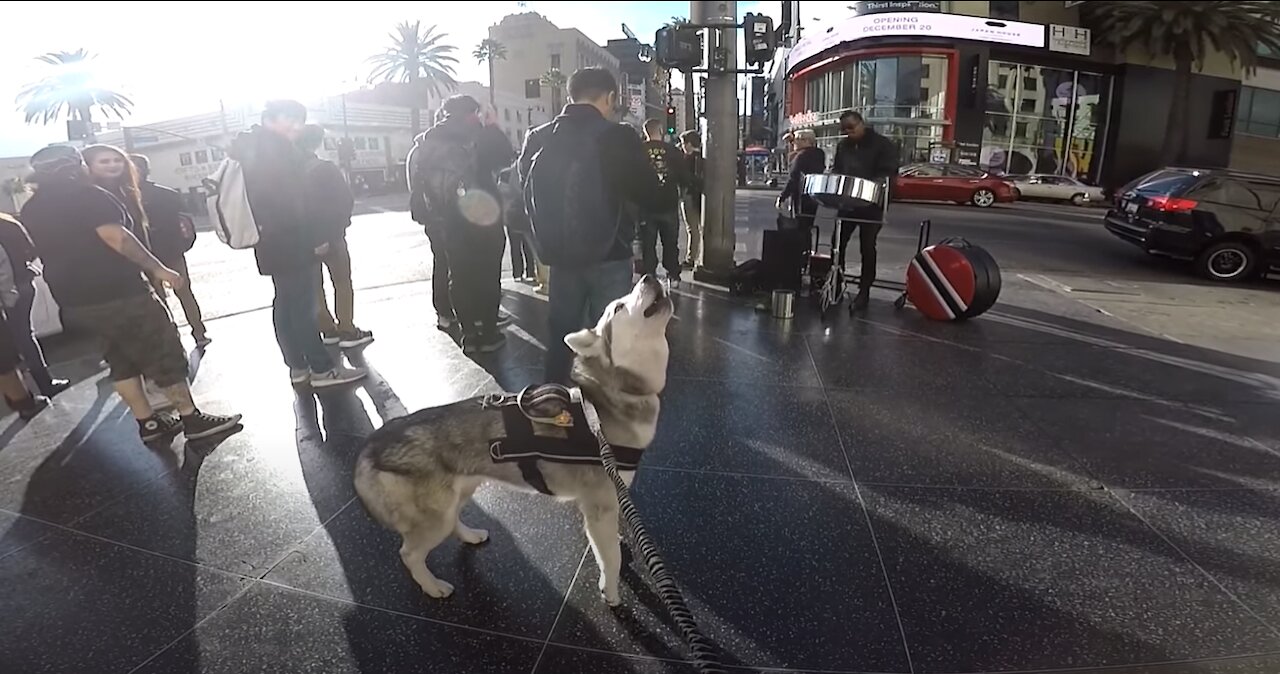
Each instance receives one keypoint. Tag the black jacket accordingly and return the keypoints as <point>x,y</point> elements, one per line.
<point>164,218</point>
<point>871,157</point>
<point>808,160</point>
<point>275,179</point>
<point>629,178</point>
<point>493,152</point>
<point>329,202</point>
<point>18,247</point>
<point>673,172</point>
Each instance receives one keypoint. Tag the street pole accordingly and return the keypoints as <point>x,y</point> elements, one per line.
<point>720,138</point>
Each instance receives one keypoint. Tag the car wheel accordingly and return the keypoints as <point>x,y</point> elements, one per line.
<point>1078,199</point>
<point>983,198</point>
<point>1228,261</point>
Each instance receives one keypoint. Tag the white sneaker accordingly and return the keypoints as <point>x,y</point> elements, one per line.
<point>299,375</point>
<point>338,376</point>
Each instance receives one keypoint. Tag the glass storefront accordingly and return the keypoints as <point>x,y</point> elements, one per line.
<point>1045,120</point>
<point>903,97</point>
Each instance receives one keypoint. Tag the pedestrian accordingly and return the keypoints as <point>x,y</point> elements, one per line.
<point>660,219</point>
<point>15,392</point>
<point>110,169</point>
<point>588,208</point>
<point>290,246</point>
<point>172,234</point>
<point>17,283</point>
<point>454,193</point>
<point>807,159</point>
<point>94,267</point>
<point>865,154</point>
<point>524,263</point>
<point>329,205</point>
<point>691,202</point>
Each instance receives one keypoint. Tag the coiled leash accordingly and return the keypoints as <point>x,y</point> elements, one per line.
<point>705,657</point>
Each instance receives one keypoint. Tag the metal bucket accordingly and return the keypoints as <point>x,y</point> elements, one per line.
<point>784,303</point>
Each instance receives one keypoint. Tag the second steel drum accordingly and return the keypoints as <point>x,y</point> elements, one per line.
<point>842,192</point>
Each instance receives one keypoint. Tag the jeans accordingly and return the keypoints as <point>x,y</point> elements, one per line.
<point>294,311</point>
<point>691,208</point>
<point>867,233</point>
<point>475,285</point>
<point>338,262</point>
<point>578,297</point>
<point>440,274</point>
<point>667,227</point>
<point>523,259</point>
<point>24,338</point>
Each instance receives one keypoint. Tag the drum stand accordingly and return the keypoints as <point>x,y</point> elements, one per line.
<point>832,291</point>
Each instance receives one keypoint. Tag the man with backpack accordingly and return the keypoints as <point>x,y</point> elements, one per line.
<point>329,205</point>
<point>583,176</point>
<point>289,247</point>
<point>172,234</point>
<point>454,195</point>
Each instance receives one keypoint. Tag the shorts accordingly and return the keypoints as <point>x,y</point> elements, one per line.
<point>138,338</point>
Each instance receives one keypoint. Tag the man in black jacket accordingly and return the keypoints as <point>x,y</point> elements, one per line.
<point>171,234</point>
<point>863,153</point>
<point>660,219</point>
<point>289,247</point>
<point>329,206</point>
<point>580,294</point>
<point>691,201</point>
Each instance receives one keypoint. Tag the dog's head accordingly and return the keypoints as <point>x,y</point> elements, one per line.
<point>629,344</point>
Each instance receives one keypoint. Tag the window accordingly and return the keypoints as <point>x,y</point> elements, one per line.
<point>362,143</point>
<point>1258,112</point>
<point>373,143</point>
<point>555,60</point>
<point>926,172</point>
<point>216,153</point>
<point>517,115</point>
<point>964,171</point>
<point>184,158</point>
<point>202,156</point>
<point>924,71</point>
<point>1003,9</point>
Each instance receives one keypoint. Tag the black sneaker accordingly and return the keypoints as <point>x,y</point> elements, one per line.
<point>354,338</point>
<point>861,300</point>
<point>158,427</point>
<point>330,337</point>
<point>483,343</point>
<point>504,319</point>
<point>200,425</point>
<point>55,387</point>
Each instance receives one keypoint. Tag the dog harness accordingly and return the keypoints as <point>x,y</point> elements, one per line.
<point>547,423</point>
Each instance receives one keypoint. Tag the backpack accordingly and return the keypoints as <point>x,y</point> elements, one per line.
<point>573,222</point>
<point>440,169</point>
<point>228,202</point>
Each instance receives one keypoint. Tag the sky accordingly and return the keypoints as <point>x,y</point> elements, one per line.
<point>181,58</point>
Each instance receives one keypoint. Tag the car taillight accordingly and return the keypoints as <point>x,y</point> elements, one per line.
<point>1167,204</point>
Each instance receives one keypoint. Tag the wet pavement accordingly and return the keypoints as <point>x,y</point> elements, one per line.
<point>1046,488</point>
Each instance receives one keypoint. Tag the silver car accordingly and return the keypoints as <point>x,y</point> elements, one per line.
<point>1056,188</point>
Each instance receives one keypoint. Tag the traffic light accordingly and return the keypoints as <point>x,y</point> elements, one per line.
<point>760,38</point>
<point>671,120</point>
<point>678,47</point>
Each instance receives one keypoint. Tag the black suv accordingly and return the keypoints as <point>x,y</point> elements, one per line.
<point>1226,221</point>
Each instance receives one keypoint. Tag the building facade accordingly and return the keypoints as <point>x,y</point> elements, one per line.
<point>535,46</point>
<point>1016,87</point>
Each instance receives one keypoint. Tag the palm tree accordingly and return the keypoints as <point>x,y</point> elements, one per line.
<point>556,80</point>
<point>1186,32</point>
<point>418,58</point>
<point>70,89</point>
<point>492,51</point>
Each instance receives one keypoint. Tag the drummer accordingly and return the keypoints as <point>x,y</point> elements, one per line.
<point>863,153</point>
<point>805,159</point>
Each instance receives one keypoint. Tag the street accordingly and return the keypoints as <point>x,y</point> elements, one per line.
<point>1083,479</point>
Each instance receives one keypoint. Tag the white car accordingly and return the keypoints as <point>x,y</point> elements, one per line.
<point>1056,188</point>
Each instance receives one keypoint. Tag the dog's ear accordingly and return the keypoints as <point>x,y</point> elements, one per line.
<point>585,343</point>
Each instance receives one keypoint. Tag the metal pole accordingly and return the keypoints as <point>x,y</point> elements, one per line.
<point>720,139</point>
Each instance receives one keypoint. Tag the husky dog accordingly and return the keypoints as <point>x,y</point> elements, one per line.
<point>415,473</point>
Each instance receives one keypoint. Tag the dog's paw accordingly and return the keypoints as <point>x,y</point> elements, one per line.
<point>610,595</point>
<point>438,590</point>
<point>472,536</point>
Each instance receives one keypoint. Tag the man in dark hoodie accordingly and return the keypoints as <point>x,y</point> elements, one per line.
<point>454,194</point>
<point>863,153</point>
<point>329,206</point>
<point>579,293</point>
<point>289,246</point>
<point>661,218</point>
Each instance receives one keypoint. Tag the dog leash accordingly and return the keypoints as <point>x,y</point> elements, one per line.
<point>705,657</point>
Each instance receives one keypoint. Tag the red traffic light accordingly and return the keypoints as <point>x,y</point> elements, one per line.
<point>671,110</point>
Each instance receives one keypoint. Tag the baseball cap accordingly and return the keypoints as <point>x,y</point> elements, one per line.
<point>55,159</point>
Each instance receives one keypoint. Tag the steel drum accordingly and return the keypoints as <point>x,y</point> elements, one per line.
<point>842,192</point>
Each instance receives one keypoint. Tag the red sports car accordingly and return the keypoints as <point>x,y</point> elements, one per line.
<point>951,182</point>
